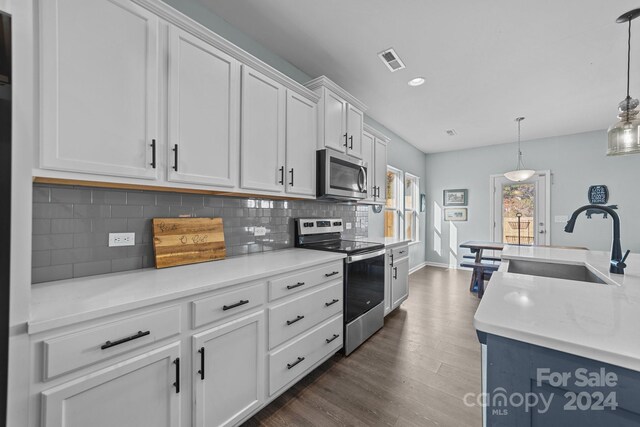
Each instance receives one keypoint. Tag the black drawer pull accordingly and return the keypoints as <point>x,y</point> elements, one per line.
<point>331,274</point>
<point>291,365</point>
<point>328,340</point>
<point>401,252</point>
<point>297,319</point>
<point>297,285</point>
<point>332,302</point>
<point>177,383</point>
<point>108,344</point>
<point>201,371</point>
<point>238,304</point>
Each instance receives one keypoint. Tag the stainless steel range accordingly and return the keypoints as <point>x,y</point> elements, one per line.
<point>363,276</point>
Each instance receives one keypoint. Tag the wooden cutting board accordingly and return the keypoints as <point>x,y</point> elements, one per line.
<point>180,241</point>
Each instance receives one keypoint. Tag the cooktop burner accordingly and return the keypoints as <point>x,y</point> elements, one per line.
<point>346,246</point>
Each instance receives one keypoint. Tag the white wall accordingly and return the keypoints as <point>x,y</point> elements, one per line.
<point>576,162</point>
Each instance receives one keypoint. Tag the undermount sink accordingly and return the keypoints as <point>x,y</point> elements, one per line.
<point>558,271</point>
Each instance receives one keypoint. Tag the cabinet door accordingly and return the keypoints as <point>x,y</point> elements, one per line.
<point>400,283</point>
<point>335,117</point>
<point>368,158</point>
<point>204,110</point>
<point>134,393</point>
<point>302,134</point>
<point>388,278</point>
<point>355,119</point>
<point>99,92</point>
<point>380,180</point>
<point>229,377</point>
<point>263,132</point>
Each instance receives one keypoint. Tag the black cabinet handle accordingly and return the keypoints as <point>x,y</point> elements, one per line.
<point>281,175</point>
<point>351,142</point>
<point>328,340</point>
<point>378,191</point>
<point>175,157</point>
<point>177,383</point>
<point>391,256</point>
<point>332,302</point>
<point>153,153</point>
<point>291,172</point>
<point>395,272</point>
<point>333,273</point>
<point>291,365</point>
<point>297,285</point>
<point>109,344</point>
<point>238,304</point>
<point>297,319</point>
<point>345,139</point>
<point>201,371</point>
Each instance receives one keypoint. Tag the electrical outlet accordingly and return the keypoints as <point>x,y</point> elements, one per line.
<point>348,224</point>
<point>259,231</point>
<point>561,218</point>
<point>122,239</point>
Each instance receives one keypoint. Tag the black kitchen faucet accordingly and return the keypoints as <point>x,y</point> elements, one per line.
<point>617,260</point>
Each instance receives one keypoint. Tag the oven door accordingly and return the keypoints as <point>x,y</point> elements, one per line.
<point>364,283</point>
<point>340,177</point>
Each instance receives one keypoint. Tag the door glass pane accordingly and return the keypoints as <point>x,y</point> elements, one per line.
<point>518,213</point>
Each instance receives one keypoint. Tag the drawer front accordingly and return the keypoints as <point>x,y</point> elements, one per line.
<point>93,345</point>
<point>208,310</point>
<point>296,358</point>
<point>296,316</point>
<point>400,252</point>
<point>304,280</point>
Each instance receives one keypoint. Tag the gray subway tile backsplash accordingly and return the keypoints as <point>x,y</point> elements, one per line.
<point>71,226</point>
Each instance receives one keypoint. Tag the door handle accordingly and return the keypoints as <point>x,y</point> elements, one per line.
<point>351,142</point>
<point>281,175</point>
<point>395,272</point>
<point>328,304</point>
<point>345,139</point>
<point>291,365</point>
<point>238,304</point>
<point>297,319</point>
<point>153,153</point>
<point>295,286</point>
<point>175,157</point>
<point>291,172</point>
<point>201,371</point>
<point>391,256</point>
<point>110,344</point>
<point>177,383</point>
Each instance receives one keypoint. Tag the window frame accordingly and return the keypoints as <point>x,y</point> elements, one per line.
<point>398,209</point>
<point>415,209</point>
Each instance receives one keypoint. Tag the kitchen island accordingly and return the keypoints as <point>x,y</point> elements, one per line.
<point>542,336</point>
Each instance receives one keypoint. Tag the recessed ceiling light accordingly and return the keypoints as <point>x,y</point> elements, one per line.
<point>416,82</point>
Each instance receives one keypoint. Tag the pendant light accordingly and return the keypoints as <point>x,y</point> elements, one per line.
<point>624,136</point>
<point>520,173</point>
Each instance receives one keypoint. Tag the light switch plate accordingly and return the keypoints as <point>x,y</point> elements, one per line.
<point>561,218</point>
<point>259,231</point>
<point>122,239</point>
<point>348,224</point>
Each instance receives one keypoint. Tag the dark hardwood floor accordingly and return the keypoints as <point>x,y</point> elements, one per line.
<point>413,372</point>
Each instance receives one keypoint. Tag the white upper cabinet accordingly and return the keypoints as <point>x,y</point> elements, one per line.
<point>99,87</point>
<point>368,157</point>
<point>301,145</point>
<point>204,109</point>
<point>380,170</point>
<point>374,153</point>
<point>340,118</point>
<point>263,133</point>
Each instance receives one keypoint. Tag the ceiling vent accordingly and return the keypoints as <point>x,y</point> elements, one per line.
<point>451,132</point>
<point>391,60</point>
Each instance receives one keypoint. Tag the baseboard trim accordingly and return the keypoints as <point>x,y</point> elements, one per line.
<point>417,267</point>
<point>430,264</point>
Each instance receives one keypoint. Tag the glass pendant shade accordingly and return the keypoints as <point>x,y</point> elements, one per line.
<point>624,135</point>
<point>519,175</point>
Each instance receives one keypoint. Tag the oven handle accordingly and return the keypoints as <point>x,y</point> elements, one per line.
<point>356,258</point>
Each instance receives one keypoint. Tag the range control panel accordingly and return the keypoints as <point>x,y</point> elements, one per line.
<point>319,225</point>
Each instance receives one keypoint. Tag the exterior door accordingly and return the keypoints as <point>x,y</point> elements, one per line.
<point>230,377</point>
<point>302,119</point>
<point>335,126</point>
<point>204,97</point>
<point>368,150</point>
<point>263,133</point>
<point>355,121</point>
<point>99,92</point>
<point>134,393</point>
<point>520,210</point>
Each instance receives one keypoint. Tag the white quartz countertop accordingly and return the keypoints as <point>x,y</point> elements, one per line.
<point>388,242</point>
<point>65,302</point>
<point>597,321</point>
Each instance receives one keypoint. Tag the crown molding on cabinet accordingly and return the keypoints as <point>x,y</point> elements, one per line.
<point>375,132</point>
<point>180,20</point>
<point>328,83</point>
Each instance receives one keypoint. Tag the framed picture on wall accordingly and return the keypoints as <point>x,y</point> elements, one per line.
<point>455,214</point>
<point>455,197</point>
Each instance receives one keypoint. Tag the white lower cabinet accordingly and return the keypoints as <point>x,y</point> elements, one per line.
<point>228,380</point>
<point>396,280</point>
<point>141,391</point>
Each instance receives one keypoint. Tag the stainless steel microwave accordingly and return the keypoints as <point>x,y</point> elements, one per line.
<point>340,177</point>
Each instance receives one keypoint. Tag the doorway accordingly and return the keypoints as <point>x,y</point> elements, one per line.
<point>520,211</point>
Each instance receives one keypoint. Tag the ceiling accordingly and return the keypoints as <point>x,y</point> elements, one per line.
<point>561,64</point>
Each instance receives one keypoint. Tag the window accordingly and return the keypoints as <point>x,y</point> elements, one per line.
<point>393,209</point>
<point>411,203</point>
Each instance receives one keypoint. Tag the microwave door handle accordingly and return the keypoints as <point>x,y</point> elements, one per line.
<point>362,180</point>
